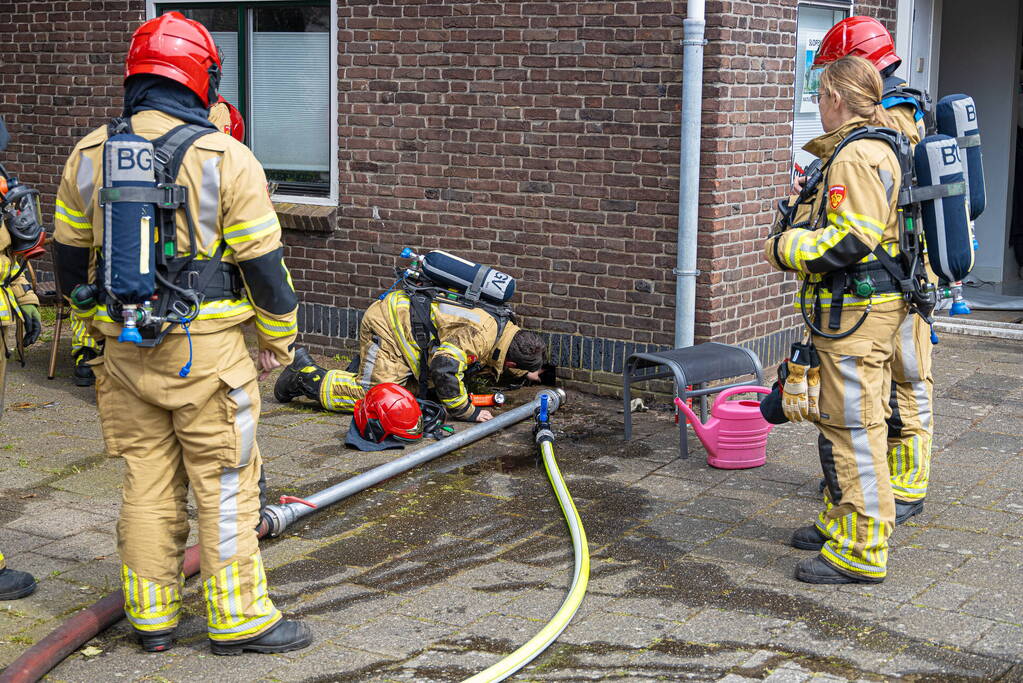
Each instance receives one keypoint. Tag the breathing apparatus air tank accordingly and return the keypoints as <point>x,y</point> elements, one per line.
<point>956,117</point>
<point>476,281</point>
<point>128,274</point>
<point>943,207</point>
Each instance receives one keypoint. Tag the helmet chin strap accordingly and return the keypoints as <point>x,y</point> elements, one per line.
<point>214,72</point>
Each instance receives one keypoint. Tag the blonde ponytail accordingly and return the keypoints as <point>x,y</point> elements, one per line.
<point>859,84</point>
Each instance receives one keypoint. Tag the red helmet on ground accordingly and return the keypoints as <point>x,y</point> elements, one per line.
<point>389,410</point>
<point>237,122</point>
<point>179,49</point>
<point>861,37</point>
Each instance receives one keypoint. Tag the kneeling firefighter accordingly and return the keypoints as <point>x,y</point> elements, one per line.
<point>21,238</point>
<point>861,258</point>
<point>84,348</point>
<point>185,248</point>
<point>464,333</point>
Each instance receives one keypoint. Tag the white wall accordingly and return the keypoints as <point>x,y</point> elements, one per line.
<point>980,46</point>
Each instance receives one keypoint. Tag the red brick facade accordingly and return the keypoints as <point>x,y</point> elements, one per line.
<point>539,137</point>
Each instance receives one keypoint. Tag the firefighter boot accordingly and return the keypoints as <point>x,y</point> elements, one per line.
<point>15,584</point>
<point>284,636</point>
<point>83,375</point>
<point>157,641</point>
<point>818,570</point>
<point>301,378</point>
<point>903,511</point>
<point>808,538</point>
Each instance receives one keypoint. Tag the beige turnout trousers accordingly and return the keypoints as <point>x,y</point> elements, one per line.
<point>855,386</point>
<point>174,432</point>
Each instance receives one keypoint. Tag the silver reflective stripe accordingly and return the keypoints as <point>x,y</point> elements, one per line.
<point>209,201</point>
<point>245,422</point>
<point>887,181</point>
<point>458,312</point>
<point>911,371</point>
<point>228,544</point>
<point>858,435</point>
<point>85,183</point>
<point>369,363</point>
<point>247,625</point>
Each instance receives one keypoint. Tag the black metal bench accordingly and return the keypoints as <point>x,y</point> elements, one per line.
<point>692,366</point>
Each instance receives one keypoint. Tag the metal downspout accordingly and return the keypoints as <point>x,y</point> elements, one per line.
<point>689,173</point>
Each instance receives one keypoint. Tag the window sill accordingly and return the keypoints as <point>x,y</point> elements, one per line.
<point>306,217</point>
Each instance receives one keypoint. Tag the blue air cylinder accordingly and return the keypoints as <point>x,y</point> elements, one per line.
<point>956,117</point>
<point>129,227</point>
<point>946,223</point>
<point>448,270</point>
<point>128,273</point>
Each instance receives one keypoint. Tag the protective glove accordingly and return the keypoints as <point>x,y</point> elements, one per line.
<point>795,400</point>
<point>813,386</point>
<point>33,324</point>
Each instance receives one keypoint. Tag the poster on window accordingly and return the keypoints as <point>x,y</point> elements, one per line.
<point>811,76</point>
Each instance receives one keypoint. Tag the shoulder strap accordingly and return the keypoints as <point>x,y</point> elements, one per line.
<point>169,149</point>
<point>424,332</point>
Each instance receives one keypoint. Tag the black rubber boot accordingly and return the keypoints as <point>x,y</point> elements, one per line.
<point>285,636</point>
<point>808,538</point>
<point>157,641</point>
<point>904,511</point>
<point>83,375</point>
<point>15,584</point>
<point>301,378</point>
<point>817,570</point>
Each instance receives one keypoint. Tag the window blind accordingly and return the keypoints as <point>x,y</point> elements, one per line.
<point>290,96</point>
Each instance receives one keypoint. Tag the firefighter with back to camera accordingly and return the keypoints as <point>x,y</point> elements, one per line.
<point>165,226</point>
<point>84,348</point>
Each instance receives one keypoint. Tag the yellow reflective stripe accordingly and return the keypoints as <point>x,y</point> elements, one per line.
<point>399,301</point>
<point>250,230</point>
<point>211,310</point>
<point>458,402</point>
<point>77,225</point>
<point>68,210</point>
<point>339,391</point>
<point>866,223</point>
<point>225,610</point>
<point>275,328</point>
<point>148,605</point>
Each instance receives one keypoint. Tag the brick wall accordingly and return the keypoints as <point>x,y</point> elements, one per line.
<point>884,11</point>
<point>541,138</point>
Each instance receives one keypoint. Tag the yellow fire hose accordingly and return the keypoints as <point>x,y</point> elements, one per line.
<point>549,633</point>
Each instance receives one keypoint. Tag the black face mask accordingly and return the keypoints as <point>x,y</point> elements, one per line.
<point>21,214</point>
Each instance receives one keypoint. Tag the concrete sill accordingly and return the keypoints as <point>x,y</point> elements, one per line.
<point>306,217</point>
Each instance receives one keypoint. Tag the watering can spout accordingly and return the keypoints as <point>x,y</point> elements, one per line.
<point>703,431</point>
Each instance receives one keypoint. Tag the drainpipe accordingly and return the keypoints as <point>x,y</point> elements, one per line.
<point>689,173</point>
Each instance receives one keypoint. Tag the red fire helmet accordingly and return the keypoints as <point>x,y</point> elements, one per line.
<point>389,410</point>
<point>861,37</point>
<point>179,49</point>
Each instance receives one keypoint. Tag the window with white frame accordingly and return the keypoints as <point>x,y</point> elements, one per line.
<point>277,71</point>
<point>813,22</point>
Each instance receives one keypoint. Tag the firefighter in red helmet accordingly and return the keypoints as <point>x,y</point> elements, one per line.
<point>226,117</point>
<point>184,426</point>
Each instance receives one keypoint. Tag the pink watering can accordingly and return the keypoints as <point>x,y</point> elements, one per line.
<point>735,436</point>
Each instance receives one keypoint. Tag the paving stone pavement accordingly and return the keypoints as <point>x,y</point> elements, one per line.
<point>436,574</point>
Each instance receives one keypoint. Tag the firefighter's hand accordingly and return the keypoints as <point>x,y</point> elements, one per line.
<point>33,324</point>
<point>484,415</point>
<point>798,183</point>
<point>533,376</point>
<point>794,398</point>
<point>266,362</point>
